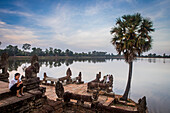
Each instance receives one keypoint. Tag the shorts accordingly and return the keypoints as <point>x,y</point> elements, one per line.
<point>14,88</point>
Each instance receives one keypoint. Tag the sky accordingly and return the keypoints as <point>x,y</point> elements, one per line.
<point>78,25</point>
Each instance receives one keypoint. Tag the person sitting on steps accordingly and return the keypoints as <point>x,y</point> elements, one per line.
<point>16,85</point>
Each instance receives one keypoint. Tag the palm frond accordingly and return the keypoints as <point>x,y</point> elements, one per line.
<point>131,35</point>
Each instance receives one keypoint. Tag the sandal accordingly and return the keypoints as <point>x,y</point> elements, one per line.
<point>19,96</point>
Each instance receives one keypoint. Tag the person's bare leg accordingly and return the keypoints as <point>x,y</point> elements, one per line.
<point>22,91</point>
<point>18,95</point>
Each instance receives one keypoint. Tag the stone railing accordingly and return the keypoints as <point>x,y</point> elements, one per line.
<point>104,85</point>
<point>64,80</point>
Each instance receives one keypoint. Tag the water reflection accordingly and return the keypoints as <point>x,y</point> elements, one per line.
<point>14,64</point>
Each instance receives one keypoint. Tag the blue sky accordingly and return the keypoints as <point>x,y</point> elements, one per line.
<point>79,25</point>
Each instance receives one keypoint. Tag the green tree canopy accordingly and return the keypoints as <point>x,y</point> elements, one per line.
<point>26,46</point>
<point>131,35</point>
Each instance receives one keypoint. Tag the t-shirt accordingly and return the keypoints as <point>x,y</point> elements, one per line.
<point>13,81</point>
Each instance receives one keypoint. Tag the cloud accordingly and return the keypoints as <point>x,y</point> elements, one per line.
<point>15,12</point>
<point>12,34</point>
<point>161,41</point>
<point>92,11</point>
<point>159,10</point>
<point>89,39</point>
<point>49,28</point>
<point>98,7</point>
<point>65,34</point>
<point>2,23</point>
<point>57,21</point>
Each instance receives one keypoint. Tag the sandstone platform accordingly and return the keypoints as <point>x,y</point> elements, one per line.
<point>9,99</point>
<point>82,89</point>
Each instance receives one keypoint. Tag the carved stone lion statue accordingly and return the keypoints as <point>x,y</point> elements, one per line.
<point>4,63</point>
<point>34,59</point>
<point>33,69</point>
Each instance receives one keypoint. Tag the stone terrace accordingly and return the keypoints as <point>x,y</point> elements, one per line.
<point>5,95</point>
<point>82,89</point>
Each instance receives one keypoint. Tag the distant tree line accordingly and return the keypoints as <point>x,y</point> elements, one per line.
<point>15,51</point>
<point>154,55</point>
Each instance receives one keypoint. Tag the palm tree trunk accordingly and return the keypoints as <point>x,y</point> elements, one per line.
<point>125,95</point>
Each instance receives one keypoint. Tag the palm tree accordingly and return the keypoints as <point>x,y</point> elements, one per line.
<point>131,38</point>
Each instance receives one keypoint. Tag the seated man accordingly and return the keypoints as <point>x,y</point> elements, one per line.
<point>16,85</point>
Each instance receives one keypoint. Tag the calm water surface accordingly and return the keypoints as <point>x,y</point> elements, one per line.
<point>151,77</point>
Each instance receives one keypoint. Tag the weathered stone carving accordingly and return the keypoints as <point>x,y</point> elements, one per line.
<point>59,89</point>
<point>100,86</point>
<point>95,95</point>
<point>66,78</point>
<point>45,76</point>
<point>4,66</point>
<point>111,80</point>
<point>98,76</point>
<point>34,59</point>
<point>4,63</point>
<point>31,81</point>
<point>104,84</point>
<point>103,80</point>
<point>33,69</point>
<point>79,79</point>
<point>141,106</point>
<point>68,73</point>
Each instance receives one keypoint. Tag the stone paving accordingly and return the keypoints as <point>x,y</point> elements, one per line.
<point>82,89</point>
<point>73,88</point>
<point>3,87</point>
<point>77,89</point>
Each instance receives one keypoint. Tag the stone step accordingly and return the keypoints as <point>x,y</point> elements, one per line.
<point>4,90</point>
<point>13,103</point>
<point>13,99</point>
<point>5,94</point>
